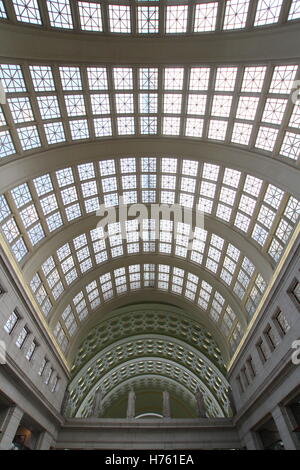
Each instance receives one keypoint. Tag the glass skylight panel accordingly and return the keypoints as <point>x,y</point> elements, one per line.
<point>291,146</point>
<point>42,78</point>
<point>221,105</point>
<point>247,107</point>
<point>124,103</point>
<point>259,234</point>
<point>73,212</point>
<point>148,78</point>
<point>247,204</point>
<point>210,172</point>
<point>2,118</point>
<point>273,196</point>
<point>236,14</point>
<point>12,78</point>
<point>225,78</point>
<point>27,11</point>
<point>122,78</point>
<point>4,209</point>
<point>205,17</point>
<point>102,127</point>
<point>283,79</point>
<point>189,167</point>
<point>194,127</point>
<point>148,19</point>
<point>295,118</point>
<point>49,204</point>
<point>172,103</point>
<point>253,79</point>
<point>97,78</point>
<point>49,107</point>
<point>100,104</point>
<point>171,125</point>
<point>196,104</point>
<point>70,78</point>
<point>75,105</point>
<point>10,230</point>
<point>64,177</point>
<point>266,138</point>
<point>79,129</point>
<point>29,215</point>
<point>217,129</point>
<point>60,14</point>
<point>231,177</point>
<point>125,125</point>
<point>29,137</point>
<point>107,167</point>
<point>6,144</point>
<point>35,234</point>
<point>241,133</point>
<point>20,109</point>
<point>267,12</point>
<point>90,16</point>
<point>54,221</point>
<point>176,18</point>
<point>274,110</point>
<point>148,103</point>
<point>119,18</point>
<point>294,13</point>
<point>252,185</point>
<point>148,125</point>
<point>199,78</point>
<point>266,216</point>
<point>173,78</point>
<point>2,10</point>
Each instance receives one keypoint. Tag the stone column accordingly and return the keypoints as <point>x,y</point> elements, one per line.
<point>284,427</point>
<point>9,427</point>
<point>131,404</point>
<point>166,405</point>
<point>201,408</point>
<point>97,408</point>
<point>251,441</point>
<point>44,441</point>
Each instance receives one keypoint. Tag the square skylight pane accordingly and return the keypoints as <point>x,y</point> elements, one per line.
<point>231,177</point>
<point>124,103</point>
<point>242,222</point>
<point>176,18</point>
<point>27,11</point>
<point>49,204</point>
<point>100,104</point>
<point>252,185</point>
<point>2,10</point>
<point>194,127</point>
<point>4,209</point>
<point>79,129</point>
<point>42,78</point>
<point>122,78</point>
<point>148,125</point>
<point>253,79</point>
<point>97,78</point>
<point>49,107</point>
<point>54,222</point>
<point>294,13</point>
<point>90,16</point>
<point>205,17</point>
<point>36,234</point>
<point>148,103</point>
<point>119,18</point>
<point>196,104</point>
<point>171,125</point>
<point>173,78</point>
<point>73,212</point>
<point>148,78</point>
<point>221,105</point>
<point>283,79</point>
<point>295,117</point>
<point>172,103</point>
<point>241,133</point>
<point>247,107</point>
<point>70,78</point>
<point>274,110</point>
<point>125,125</point>
<point>29,137</point>
<point>148,19</point>
<point>199,78</point>
<point>169,165</point>
<point>259,234</point>
<point>236,14</point>
<point>225,78</point>
<point>20,109</point>
<point>12,78</point>
<point>19,249</point>
<point>6,144</point>
<point>60,14</point>
<point>75,105</point>
<point>54,132</point>
<point>107,167</point>
<point>102,127</point>
<point>266,138</point>
<point>21,195</point>
<point>267,12</point>
<point>217,129</point>
<point>291,146</point>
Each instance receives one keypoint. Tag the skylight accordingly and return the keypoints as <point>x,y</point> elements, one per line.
<point>90,16</point>
<point>27,11</point>
<point>60,14</point>
<point>205,17</point>
<point>236,14</point>
<point>176,19</point>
